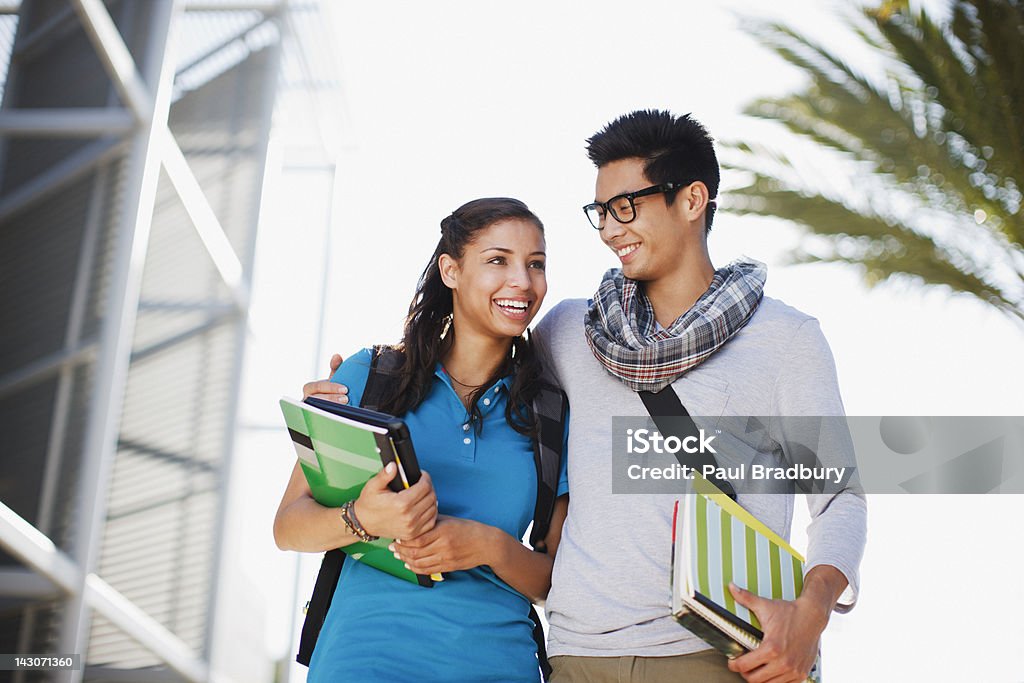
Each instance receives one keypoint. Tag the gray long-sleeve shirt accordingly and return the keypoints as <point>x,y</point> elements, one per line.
<point>610,587</point>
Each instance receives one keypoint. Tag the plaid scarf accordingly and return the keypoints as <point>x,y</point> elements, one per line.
<point>623,335</point>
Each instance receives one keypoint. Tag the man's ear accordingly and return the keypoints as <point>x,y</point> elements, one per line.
<point>449,269</point>
<point>695,198</point>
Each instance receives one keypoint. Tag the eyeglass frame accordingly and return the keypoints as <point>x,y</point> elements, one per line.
<point>630,196</point>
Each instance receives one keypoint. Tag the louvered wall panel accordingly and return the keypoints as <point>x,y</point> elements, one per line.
<point>160,543</point>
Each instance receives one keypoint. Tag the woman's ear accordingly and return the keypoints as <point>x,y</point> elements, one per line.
<point>449,269</point>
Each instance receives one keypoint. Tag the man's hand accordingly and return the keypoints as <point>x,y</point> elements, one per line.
<point>792,629</point>
<point>325,388</point>
<point>406,514</point>
<point>453,544</point>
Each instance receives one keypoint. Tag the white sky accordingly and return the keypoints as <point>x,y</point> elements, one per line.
<point>449,101</point>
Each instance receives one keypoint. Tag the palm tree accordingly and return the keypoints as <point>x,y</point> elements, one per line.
<point>931,153</point>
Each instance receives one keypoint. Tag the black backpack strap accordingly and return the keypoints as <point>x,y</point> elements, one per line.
<point>542,650</point>
<point>672,419</point>
<point>550,407</point>
<point>383,374</point>
<point>385,369</point>
<point>319,603</point>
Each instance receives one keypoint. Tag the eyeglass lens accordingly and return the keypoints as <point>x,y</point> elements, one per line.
<point>621,207</point>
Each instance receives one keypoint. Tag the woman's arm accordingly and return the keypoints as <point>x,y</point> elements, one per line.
<point>529,571</point>
<point>307,526</point>
<point>303,524</point>
<point>455,544</point>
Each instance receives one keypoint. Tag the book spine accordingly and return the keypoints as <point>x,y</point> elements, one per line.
<point>701,628</point>
<point>710,634</point>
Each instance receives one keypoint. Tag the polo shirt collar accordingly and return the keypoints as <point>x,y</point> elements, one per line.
<point>505,382</point>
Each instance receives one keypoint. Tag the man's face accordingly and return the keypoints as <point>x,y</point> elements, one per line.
<point>651,246</point>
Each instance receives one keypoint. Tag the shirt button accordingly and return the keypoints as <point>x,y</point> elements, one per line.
<point>467,441</point>
<point>465,427</point>
<point>497,389</point>
<point>487,401</point>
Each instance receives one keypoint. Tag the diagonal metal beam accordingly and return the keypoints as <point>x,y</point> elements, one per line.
<point>54,178</point>
<point>221,44</point>
<point>49,32</point>
<point>146,630</point>
<point>171,341</point>
<point>115,56</point>
<point>36,550</point>
<point>24,583</point>
<point>47,366</point>
<point>206,223</point>
<point>131,239</point>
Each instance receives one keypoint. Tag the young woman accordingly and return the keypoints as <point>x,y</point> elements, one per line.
<point>467,379</point>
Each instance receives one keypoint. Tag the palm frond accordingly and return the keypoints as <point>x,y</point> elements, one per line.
<point>942,132</point>
<point>882,249</point>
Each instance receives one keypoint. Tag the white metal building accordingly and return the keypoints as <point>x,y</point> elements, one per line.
<point>134,142</point>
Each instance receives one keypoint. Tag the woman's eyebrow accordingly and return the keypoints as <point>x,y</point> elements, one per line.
<point>506,250</point>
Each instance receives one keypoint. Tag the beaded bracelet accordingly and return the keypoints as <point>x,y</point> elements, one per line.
<point>348,516</point>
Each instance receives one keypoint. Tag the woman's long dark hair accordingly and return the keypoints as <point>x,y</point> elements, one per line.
<point>428,331</point>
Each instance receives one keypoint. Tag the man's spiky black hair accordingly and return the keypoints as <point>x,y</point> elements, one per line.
<point>674,149</point>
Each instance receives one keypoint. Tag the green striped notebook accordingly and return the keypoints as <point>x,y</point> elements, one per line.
<point>715,541</point>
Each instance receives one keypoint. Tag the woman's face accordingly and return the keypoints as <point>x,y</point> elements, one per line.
<point>499,283</point>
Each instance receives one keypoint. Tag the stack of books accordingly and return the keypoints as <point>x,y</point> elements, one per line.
<point>715,542</point>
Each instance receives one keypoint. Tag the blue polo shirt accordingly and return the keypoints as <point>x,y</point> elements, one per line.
<point>472,626</point>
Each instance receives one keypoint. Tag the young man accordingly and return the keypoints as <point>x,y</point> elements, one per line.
<point>669,319</point>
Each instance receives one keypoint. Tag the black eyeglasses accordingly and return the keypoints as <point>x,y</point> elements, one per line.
<point>622,206</point>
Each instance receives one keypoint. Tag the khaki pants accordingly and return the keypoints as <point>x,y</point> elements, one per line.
<point>708,666</point>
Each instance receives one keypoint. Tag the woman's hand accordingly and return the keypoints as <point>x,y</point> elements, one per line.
<point>453,544</point>
<point>406,514</point>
